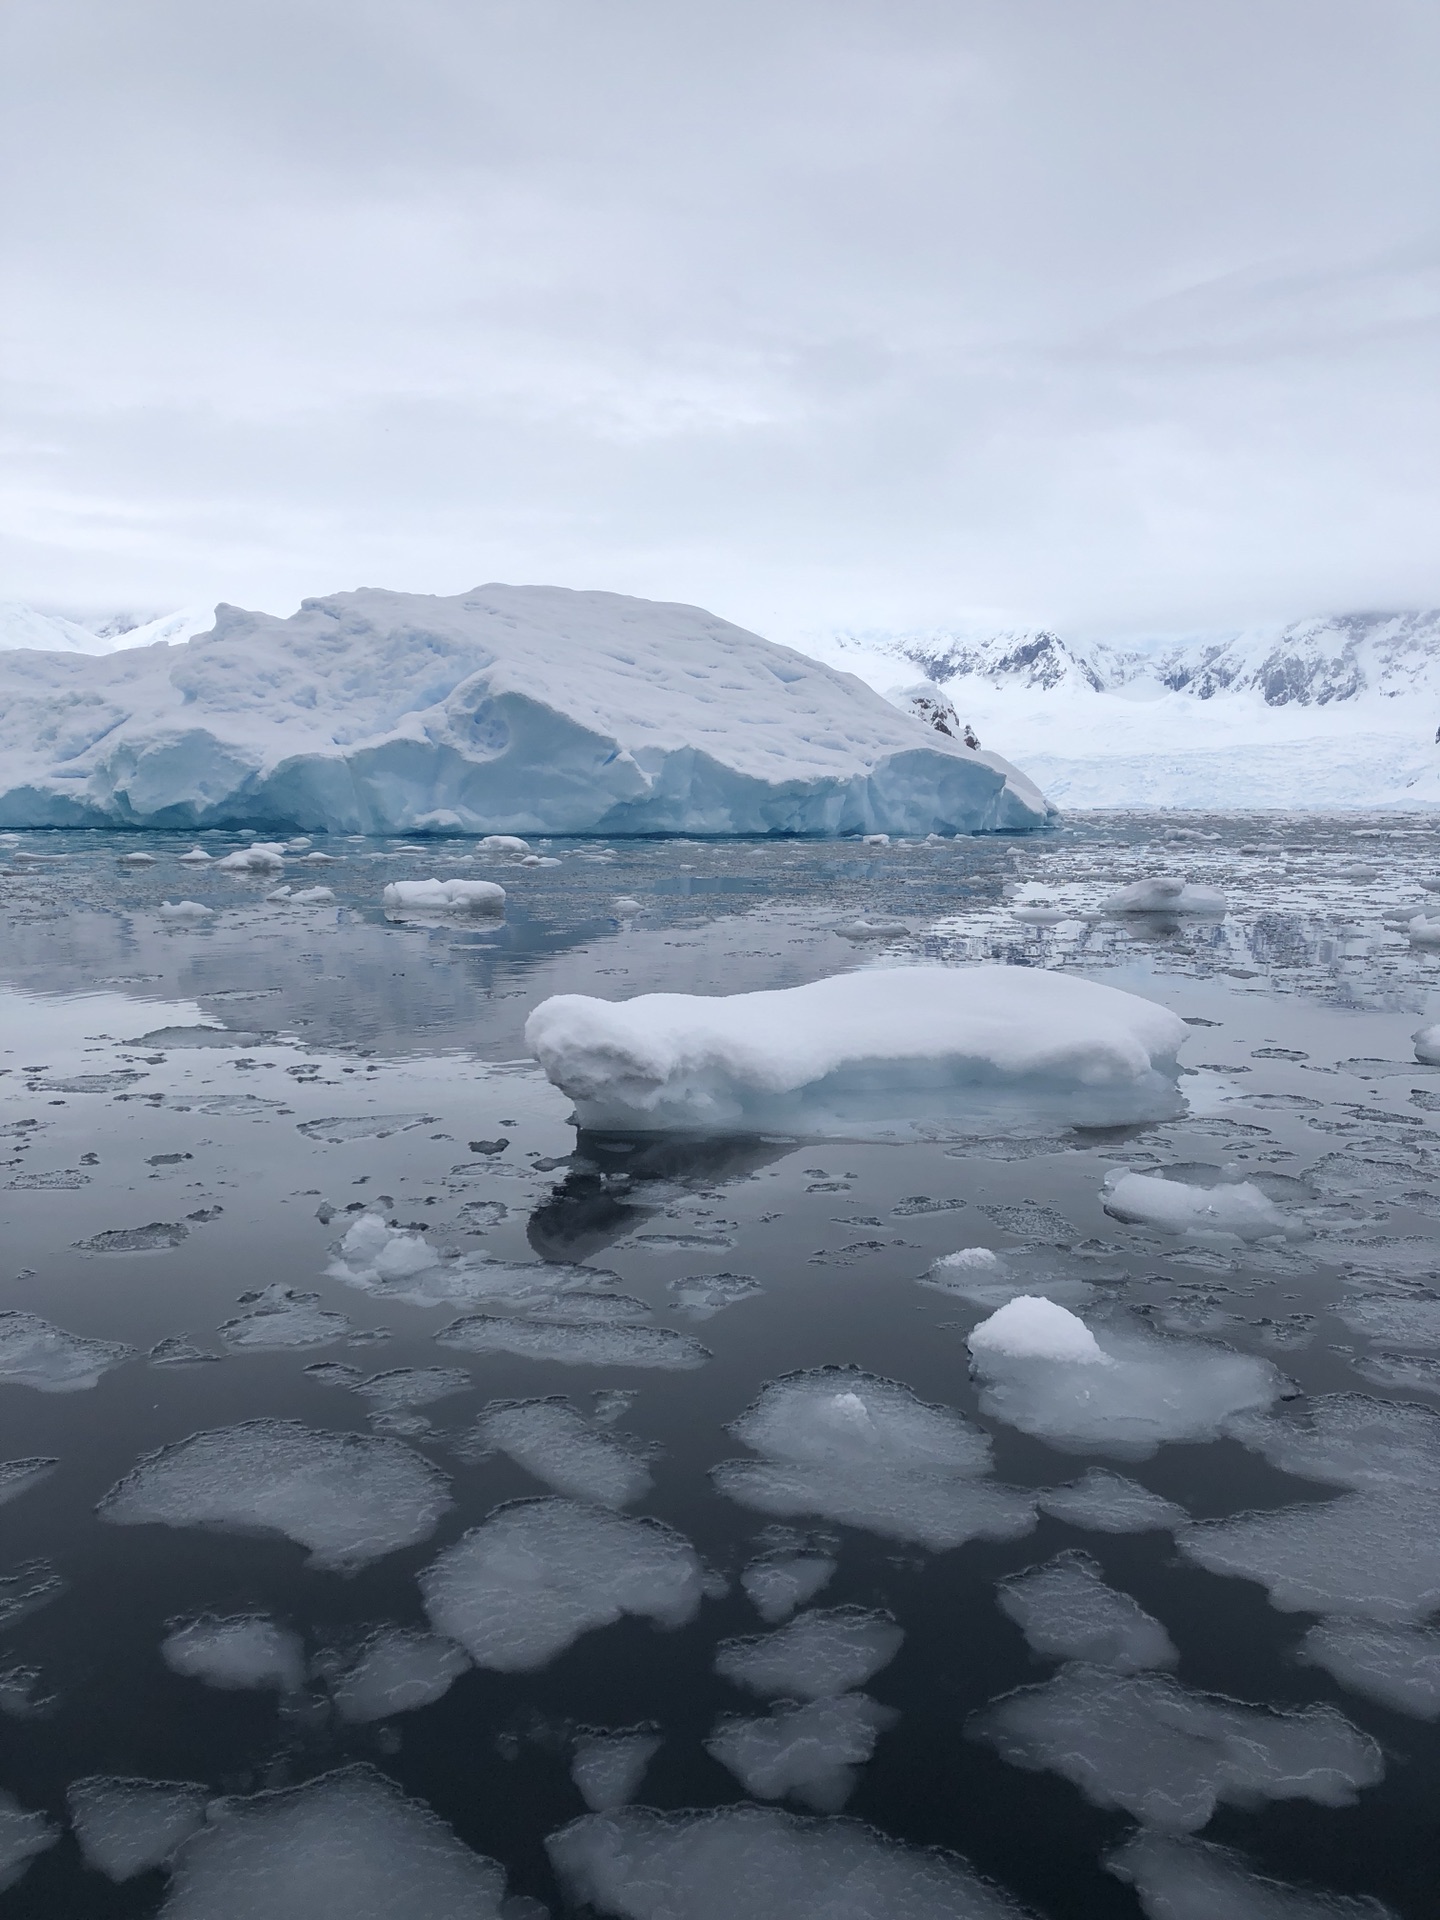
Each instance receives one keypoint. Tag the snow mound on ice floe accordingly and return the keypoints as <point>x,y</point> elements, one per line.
<point>127,1826</point>
<point>1427,1045</point>
<point>1196,1880</point>
<point>246,1651</point>
<point>529,709</point>
<point>1237,1209</point>
<point>1030,1327</point>
<point>1164,894</point>
<point>347,1845</point>
<point>814,1752</point>
<point>1168,1755</point>
<point>851,1447</point>
<point>1125,1398</point>
<point>535,1575</point>
<point>415,899</point>
<point>765,1864</point>
<point>348,1497</point>
<point>818,1655</point>
<point>1067,1612</point>
<point>864,1047</point>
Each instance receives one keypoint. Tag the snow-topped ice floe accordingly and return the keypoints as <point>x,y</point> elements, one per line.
<point>125,1826</point>
<point>1189,1879</point>
<point>1427,1045</point>
<point>1169,1755</point>
<point>506,710</point>
<point>765,1864</point>
<point>346,1846</point>
<point>1237,1209</point>
<point>1067,1612</point>
<point>246,1651</point>
<point>525,1584</point>
<point>348,1497</point>
<point>1164,894</point>
<point>851,1447</point>
<point>1118,1392</point>
<point>421,899</point>
<point>865,1048</point>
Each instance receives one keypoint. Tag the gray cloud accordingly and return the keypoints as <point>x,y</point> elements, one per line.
<point>1107,315</point>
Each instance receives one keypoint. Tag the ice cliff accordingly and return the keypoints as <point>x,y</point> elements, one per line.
<point>509,709</point>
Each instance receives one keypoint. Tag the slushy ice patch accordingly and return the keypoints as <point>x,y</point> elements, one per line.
<point>35,1354</point>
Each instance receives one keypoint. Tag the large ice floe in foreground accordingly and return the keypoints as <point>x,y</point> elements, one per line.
<point>519,709</point>
<point>865,1050</point>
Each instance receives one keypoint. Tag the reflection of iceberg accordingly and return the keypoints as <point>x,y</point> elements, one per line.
<point>880,1048</point>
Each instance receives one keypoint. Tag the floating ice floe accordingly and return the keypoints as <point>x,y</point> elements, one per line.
<point>137,860</point>
<point>262,856</point>
<point>1121,1393</point>
<point>185,910</point>
<point>278,1318</point>
<point>1104,1502</point>
<point>18,1476</point>
<point>247,1651</point>
<point>861,930</point>
<point>348,1497</point>
<point>700,1296</point>
<point>399,1263</point>
<point>551,1440</point>
<point>1164,894</point>
<point>818,1655</point>
<point>196,857</point>
<point>1427,1045</point>
<point>813,1752</point>
<point>866,1452</point>
<point>479,899</point>
<point>608,1767</point>
<point>35,1354</point>
<point>865,1049</point>
<point>125,1827</point>
<point>1424,931</point>
<point>1371,1554</point>
<point>1237,1210</point>
<point>778,1583</point>
<point>22,1836</point>
<point>397,1670</point>
<point>1188,1879</point>
<point>766,1864</point>
<point>502,843</point>
<point>576,1342</point>
<point>534,1576</point>
<point>1067,1612</point>
<point>1168,1755</point>
<point>348,1846</point>
<point>1411,1325</point>
<point>1398,1666</point>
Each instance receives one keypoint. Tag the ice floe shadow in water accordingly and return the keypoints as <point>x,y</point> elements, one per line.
<point>874,1054</point>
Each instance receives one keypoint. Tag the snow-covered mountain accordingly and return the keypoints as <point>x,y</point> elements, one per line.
<point>509,709</point>
<point>1341,710</point>
<point>22,626</point>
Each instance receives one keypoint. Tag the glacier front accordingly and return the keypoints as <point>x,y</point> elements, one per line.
<point>508,709</point>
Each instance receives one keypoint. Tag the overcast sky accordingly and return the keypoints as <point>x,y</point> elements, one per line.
<point>1108,314</point>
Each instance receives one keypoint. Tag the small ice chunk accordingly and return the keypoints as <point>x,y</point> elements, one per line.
<point>1030,1327</point>
<point>35,1354</point>
<point>1398,1666</point>
<point>1427,1045</point>
<point>779,1582</point>
<point>18,1476</point>
<point>348,1846</point>
<point>700,1296</point>
<point>765,1864</point>
<point>864,1451</point>
<point>247,1650</point>
<point>608,1767</point>
<point>481,899</point>
<point>261,857</point>
<point>22,1836</point>
<point>348,1497</point>
<point>125,1827</point>
<point>575,1343</point>
<point>196,857</point>
<point>405,1387</point>
<point>1424,932</point>
<point>968,1260</point>
<point>535,1575</point>
<point>1188,1879</point>
<point>398,1670</point>
<point>1239,1209</point>
<point>193,911</point>
<point>1067,1612</point>
<point>813,1752</point>
<point>818,1655</point>
<point>1150,1390</point>
<point>281,1318</point>
<point>312,897</point>
<point>137,860</point>
<point>1168,1755</point>
<point>1105,1502</point>
<point>502,843</point>
<point>551,1440</point>
<point>1165,893</point>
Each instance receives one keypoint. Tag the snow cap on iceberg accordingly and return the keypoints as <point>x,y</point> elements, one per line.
<point>504,711</point>
<point>863,1049</point>
<point>1030,1327</point>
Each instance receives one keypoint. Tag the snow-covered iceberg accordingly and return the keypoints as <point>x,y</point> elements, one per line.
<point>512,709</point>
<point>865,1049</point>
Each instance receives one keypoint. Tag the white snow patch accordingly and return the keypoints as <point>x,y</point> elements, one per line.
<point>864,1046</point>
<point>242,1652</point>
<point>1030,1327</point>
<point>535,1575</point>
<point>348,1497</point>
<point>1427,1045</point>
<point>1237,1209</point>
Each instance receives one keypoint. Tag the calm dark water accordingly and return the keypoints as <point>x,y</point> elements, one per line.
<point>113,1119</point>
